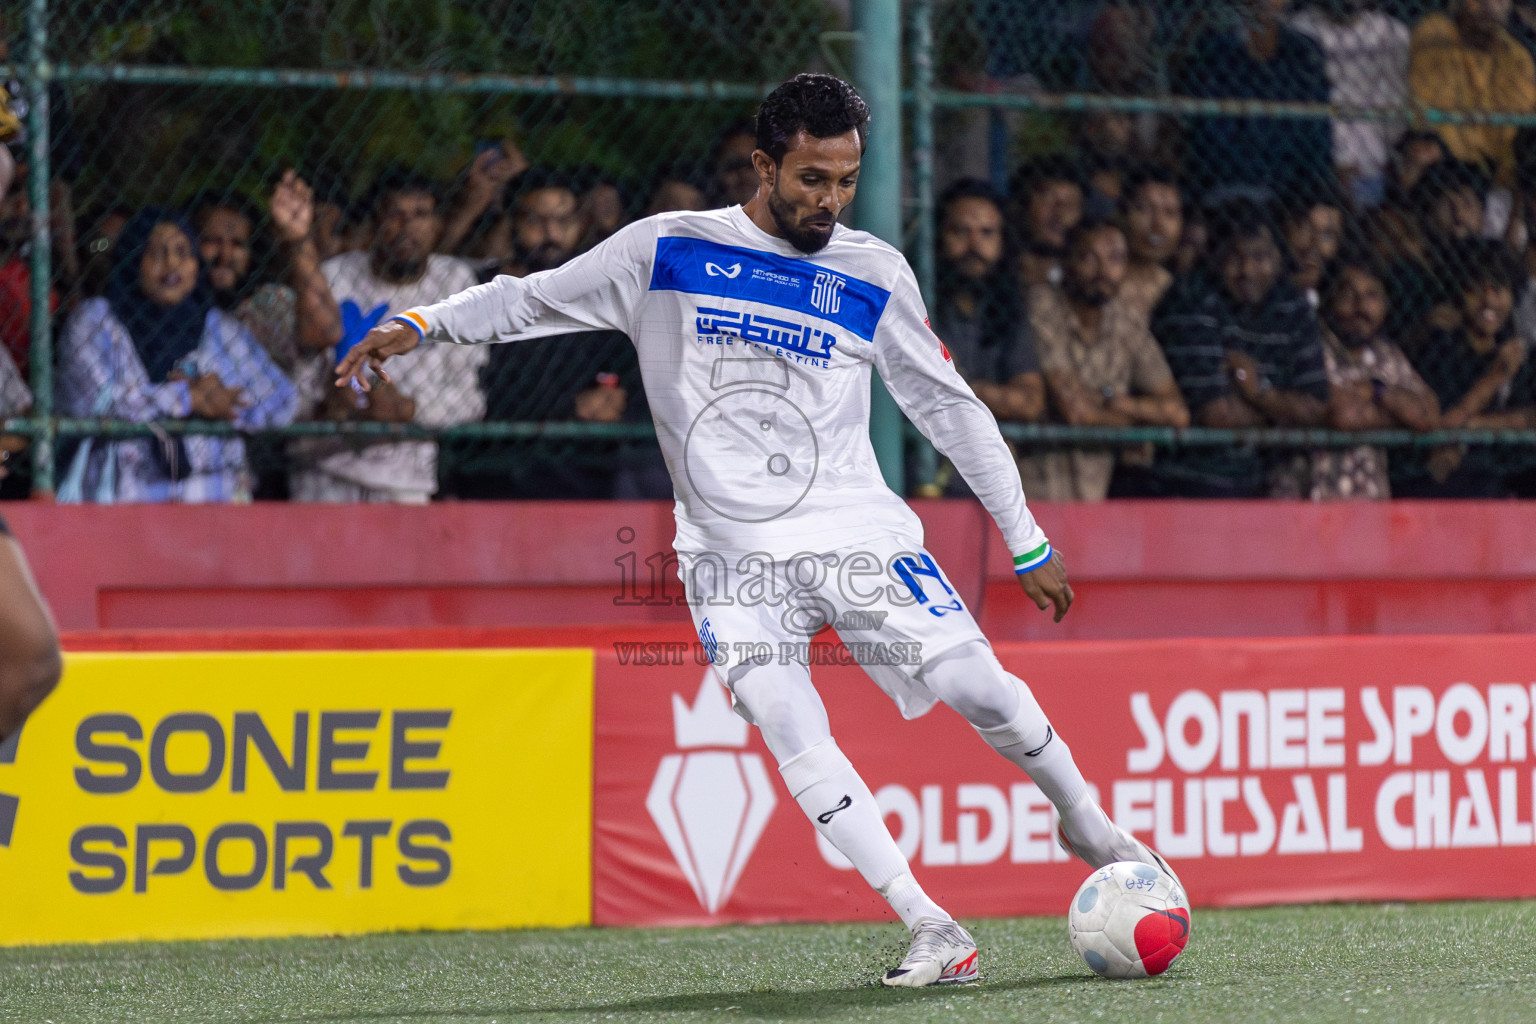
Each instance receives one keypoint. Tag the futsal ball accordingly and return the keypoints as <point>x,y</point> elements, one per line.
<point>1129,920</point>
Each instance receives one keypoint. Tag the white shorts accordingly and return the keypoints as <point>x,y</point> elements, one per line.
<point>889,602</point>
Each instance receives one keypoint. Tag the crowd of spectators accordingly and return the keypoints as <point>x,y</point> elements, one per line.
<point>1238,270</point>
<point>234,310</point>
<point>1245,269</point>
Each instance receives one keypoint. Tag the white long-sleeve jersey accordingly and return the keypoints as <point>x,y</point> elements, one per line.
<point>756,361</point>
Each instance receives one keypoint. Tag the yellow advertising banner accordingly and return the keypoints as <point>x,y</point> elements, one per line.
<point>178,796</point>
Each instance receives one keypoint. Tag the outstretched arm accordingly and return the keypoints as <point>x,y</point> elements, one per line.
<point>932,394</point>
<point>593,292</point>
<point>292,208</point>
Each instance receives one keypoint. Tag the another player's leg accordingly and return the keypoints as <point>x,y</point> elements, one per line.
<point>786,707</point>
<point>30,663</point>
<point>1002,709</point>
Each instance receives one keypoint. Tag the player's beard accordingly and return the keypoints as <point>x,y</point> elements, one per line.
<point>806,238</point>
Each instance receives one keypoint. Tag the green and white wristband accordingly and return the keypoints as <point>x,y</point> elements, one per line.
<point>1032,560</point>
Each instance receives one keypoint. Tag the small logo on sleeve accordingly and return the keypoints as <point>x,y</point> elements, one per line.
<point>940,340</point>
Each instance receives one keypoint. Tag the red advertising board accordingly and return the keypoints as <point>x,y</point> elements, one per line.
<point>1268,771</point>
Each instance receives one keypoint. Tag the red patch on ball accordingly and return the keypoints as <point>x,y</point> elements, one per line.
<point>1161,936</point>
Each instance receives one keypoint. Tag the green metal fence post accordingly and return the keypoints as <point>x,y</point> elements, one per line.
<point>923,239</point>
<point>38,174</point>
<point>877,74</point>
<point>925,461</point>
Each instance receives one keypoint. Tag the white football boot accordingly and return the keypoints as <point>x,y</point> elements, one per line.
<point>1122,847</point>
<point>942,953</point>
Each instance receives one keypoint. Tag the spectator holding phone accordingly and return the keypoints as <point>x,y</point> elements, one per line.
<point>477,213</point>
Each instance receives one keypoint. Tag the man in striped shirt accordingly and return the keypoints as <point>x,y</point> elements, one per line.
<point>1245,346</point>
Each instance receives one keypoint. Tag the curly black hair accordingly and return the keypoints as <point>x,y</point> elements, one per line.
<point>1485,261</point>
<point>1241,219</point>
<point>1444,177</point>
<point>533,180</point>
<point>399,180</point>
<point>1145,176</point>
<point>820,105</point>
<point>209,199</point>
<point>967,188</point>
<point>1044,170</point>
<point>1358,256</point>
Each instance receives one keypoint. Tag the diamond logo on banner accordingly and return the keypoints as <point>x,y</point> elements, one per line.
<point>710,805</point>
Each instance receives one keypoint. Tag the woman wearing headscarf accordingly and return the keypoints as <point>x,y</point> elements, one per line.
<point>154,347</point>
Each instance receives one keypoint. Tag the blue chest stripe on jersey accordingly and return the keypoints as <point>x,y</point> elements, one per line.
<point>701,267</point>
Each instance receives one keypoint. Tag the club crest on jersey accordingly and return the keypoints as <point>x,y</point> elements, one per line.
<point>826,292</point>
<point>716,270</point>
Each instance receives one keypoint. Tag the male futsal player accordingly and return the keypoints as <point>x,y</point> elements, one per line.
<point>756,328</point>
<point>29,648</point>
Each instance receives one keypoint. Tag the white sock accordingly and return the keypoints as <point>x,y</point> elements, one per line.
<point>843,810</point>
<point>909,901</point>
<point>1030,742</point>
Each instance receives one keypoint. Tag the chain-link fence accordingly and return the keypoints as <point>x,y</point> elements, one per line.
<point>1322,212</point>
<point>1320,215</point>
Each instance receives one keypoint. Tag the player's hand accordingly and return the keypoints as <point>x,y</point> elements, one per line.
<point>392,338</point>
<point>1047,585</point>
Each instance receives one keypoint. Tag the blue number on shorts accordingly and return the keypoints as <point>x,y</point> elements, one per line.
<point>923,565</point>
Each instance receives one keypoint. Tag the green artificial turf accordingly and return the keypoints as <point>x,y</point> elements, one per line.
<point>1452,962</point>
